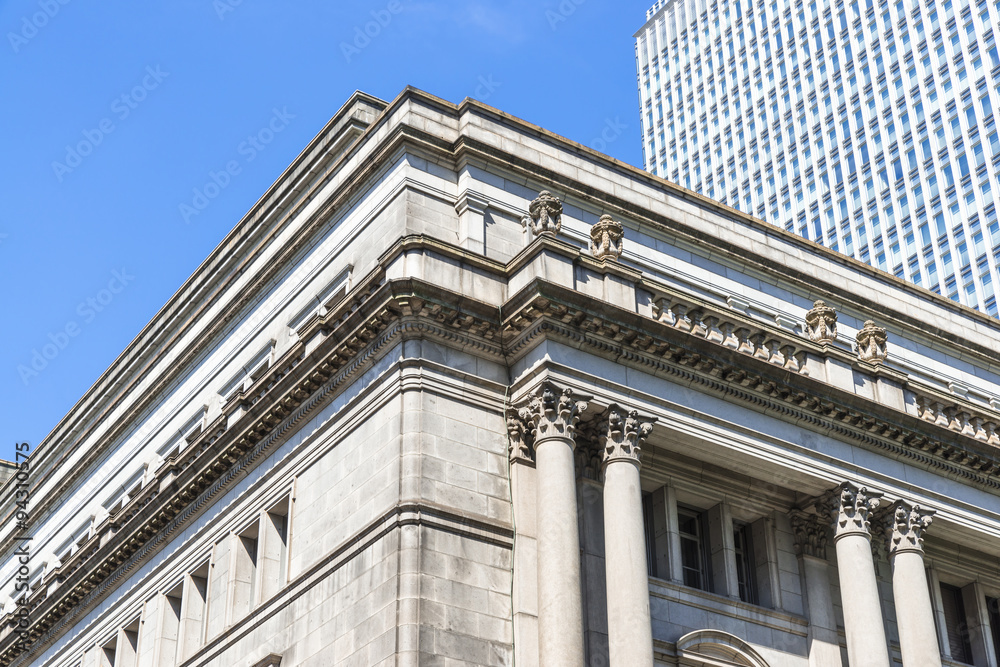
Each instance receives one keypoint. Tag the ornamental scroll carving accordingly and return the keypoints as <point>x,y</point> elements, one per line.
<point>851,508</point>
<point>544,214</point>
<point>607,238</point>
<point>821,323</point>
<point>554,413</point>
<point>811,534</point>
<point>905,526</point>
<point>620,434</point>
<point>872,343</point>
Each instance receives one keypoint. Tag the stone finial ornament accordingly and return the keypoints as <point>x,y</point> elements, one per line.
<point>905,526</point>
<point>811,534</point>
<point>821,323</point>
<point>607,238</point>
<point>544,214</point>
<point>620,434</point>
<point>851,507</point>
<point>554,413</point>
<point>872,343</point>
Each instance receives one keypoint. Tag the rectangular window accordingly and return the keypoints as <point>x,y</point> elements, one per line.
<point>993,609</point>
<point>121,650</point>
<point>245,570</point>
<point>955,623</point>
<point>193,615</point>
<point>274,549</point>
<point>693,532</point>
<point>746,571</point>
<point>170,625</point>
<point>649,530</point>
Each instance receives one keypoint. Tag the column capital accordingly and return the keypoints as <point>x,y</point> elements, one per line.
<point>553,413</point>
<point>518,435</point>
<point>851,508</point>
<point>811,534</point>
<point>620,433</point>
<point>905,525</point>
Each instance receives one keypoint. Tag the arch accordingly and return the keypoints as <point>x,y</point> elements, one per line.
<point>717,648</point>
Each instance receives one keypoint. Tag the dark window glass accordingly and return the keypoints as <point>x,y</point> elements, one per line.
<point>993,608</point>
<point>694,550</point>
<point>647,520</point>
<point>955,623</point>
<point>745,570</point>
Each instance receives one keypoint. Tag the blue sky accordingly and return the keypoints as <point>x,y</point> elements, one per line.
<point>116,113</point>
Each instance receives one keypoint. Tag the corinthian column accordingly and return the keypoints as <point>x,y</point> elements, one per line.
<point>851,507</point>
<point>553,415</point>
<point>914,615</point>
<point>630,633</point>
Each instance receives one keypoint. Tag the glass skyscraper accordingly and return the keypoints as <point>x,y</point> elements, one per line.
<point>867,126</point>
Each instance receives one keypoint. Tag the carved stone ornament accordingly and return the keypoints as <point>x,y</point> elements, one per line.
<point>544,214</point>
<point>553,413</point>
<point>811,534</point>
<point>518,435</point>
<point>587,456</point>
<point>851,507</point>
<point>905,526</point>
<point>607,238</point>
<point>821,323</point>
<point>621,434</point>
<point>872,343</point>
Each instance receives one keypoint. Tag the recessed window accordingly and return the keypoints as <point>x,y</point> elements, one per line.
<point>746,571</point>
<point>193,615</point>
<point>245,573</point>
<point>274,549</point>
<point>693,531</point>
<point>170,625</point>
<point>956,623</point>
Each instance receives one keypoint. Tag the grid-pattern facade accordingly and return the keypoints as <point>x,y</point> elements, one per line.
<point>866,126</point>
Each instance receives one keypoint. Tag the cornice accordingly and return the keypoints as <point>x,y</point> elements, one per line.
<point>242,237</point>
<point>544,310</point>
<point>808,284</point>
<point>296,386</point>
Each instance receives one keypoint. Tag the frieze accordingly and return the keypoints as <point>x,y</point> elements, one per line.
<point>552,315</point>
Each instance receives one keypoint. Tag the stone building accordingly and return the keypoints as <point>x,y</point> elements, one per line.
<point>460,391</point>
